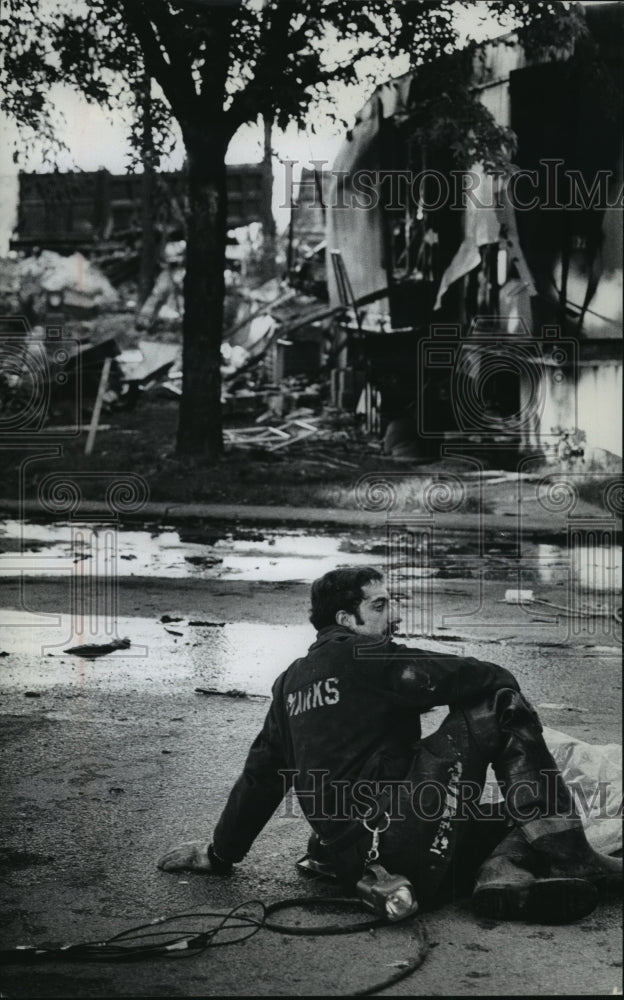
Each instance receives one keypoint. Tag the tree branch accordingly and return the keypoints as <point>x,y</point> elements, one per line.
<point>158,67</point>
<point>171,34</point>
<point>276,43</point>
<point>217,58</point>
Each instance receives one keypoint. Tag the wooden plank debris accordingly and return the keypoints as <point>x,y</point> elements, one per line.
<point>292,440</point>
<point>97,409</point>
<point>274,438</point>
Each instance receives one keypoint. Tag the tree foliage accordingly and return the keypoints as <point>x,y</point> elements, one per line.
<point>273,57</point>
<point>220,64</point>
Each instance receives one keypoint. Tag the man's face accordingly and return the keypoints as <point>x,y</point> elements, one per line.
<point>373,615</point>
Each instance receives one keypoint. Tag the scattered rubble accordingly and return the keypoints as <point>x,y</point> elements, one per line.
<point>203,560</point>
<point>275,367</point>
<point>302,428</point>
<point>148,361</point>
<point>91,650</point>
<point>232,693</point>
<point>272,355</point>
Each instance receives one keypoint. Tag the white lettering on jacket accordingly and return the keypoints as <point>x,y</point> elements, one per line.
<point>316,695</point>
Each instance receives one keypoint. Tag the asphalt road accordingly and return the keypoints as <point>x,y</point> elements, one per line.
<point>109,762</point>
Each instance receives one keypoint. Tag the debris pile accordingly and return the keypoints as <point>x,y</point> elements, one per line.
<point>150,365</point>
<point>275,438</point>
<point>276,356</point>
<point>311,438</point>
<point>50,282</point>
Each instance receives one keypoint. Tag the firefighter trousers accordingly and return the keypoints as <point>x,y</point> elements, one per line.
<point>439,830</point>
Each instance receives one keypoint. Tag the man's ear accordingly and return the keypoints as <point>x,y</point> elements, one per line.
<point>343,618</point>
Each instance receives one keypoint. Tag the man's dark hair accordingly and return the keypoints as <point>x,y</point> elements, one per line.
<point>339,590</point>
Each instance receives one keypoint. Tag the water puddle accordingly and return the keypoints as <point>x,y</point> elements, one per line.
<point>239,655</point>
<point>99,550</point>
<point>50,550</point>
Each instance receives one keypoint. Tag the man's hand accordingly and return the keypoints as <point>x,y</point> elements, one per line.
<point>193,855</point>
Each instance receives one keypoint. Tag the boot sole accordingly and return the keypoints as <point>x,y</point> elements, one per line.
<point>609,885</point>
<point>545,901</point>
<point>310,866</point>
<point>606,883</point>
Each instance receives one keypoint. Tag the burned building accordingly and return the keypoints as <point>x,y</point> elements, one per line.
<point>494,296</point>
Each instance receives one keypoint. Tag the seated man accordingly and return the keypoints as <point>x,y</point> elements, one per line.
<point>343,730</point>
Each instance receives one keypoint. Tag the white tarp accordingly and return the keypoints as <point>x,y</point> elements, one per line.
<point>594,774</point>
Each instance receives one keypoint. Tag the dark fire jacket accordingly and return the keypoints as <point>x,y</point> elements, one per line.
<point>349,709</point>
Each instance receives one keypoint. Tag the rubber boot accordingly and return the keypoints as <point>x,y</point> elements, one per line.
<point>568,853</point>
<point>507,888</point>
<point>317,861</point>
<point>537,798</point>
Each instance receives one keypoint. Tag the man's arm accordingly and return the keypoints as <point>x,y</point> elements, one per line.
<point>251,803</point>
<point>255,796</point>
<point>426,679</point>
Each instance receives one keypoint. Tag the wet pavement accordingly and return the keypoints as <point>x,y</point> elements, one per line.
<point>240,655</point>
<point>110,761</point>
<point>35,549</point>
<point>547,599</point>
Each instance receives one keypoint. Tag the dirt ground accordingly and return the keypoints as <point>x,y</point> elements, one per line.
<point>107,763</point>
<point>319,473</point>
<point>144,440</point>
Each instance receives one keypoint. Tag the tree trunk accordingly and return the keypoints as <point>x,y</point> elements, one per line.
<point>147,268</point>
<point>268,221</point>
<point>200,427</point>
